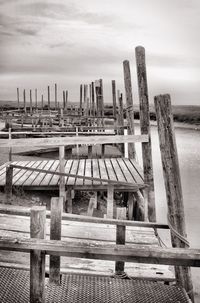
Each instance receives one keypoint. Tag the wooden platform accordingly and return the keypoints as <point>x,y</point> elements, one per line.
<point>115,169</point>
<point>93,233</point>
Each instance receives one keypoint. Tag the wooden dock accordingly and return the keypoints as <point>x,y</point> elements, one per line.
<point>116,169</point>
<point>89,233</point>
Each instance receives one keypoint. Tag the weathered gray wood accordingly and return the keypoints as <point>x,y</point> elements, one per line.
<point>85,94</point>
<point>145,129</point>
<point>18,98</point>
<point>56,97</point>
<point>93,99</point>
<point>81,99</point>
<point>66,99</point>
<point>25,211</point>
<point>172,182</point>
<point>114,98</point>
<point>101,98</point>
<point>49,102</point>
<point>140,212</point>
<point>120,237</point>
<point>37,257</point>
<point>62,171</point>
<point>120,120</point>
<point>9,181</point>
<point>31,102</point>
<point>58,141</point>
<point>110,201</point>
<point>129,107</point>
<point>10,148</point>
<point>91,206</point>
<point>89,151</point>
<point>137,253</point>
<point>55,234</point>
<point>68,206</point>
<point>24,97</point>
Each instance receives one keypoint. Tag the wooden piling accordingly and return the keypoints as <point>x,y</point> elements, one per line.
<point>85,99</point>
<point>129,107</point>
<point>110,201</point>
<point>37,258</point>
<point>62,170</point>
<point>56,97</point>
<point>93,100</point>
<point>120,237</point>
<point>31,102</point>
<point>81,99</point>
<point>24,97</point>
<point>145,130</point>
<point>63,100</point>
<point>66,99</point>
<point>18,98</point>
<point>9,182</point>
<point>49,102</point>
<point>55,234</point>
<point>120,120</point>
<point>114,98</point>
<point>173,186</point>
<point>101,98</point>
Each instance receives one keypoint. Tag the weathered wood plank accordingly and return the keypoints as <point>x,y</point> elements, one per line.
<point>140,254</point>
<point>110,201</point>
<point>35,173</point>
<point>38,180</point>
<point>136,169</point>
<point>81,171</point>
<point>37,257</point>
<point>68,166</point>
<point>74,170</point>
<point>110,170</point>
<point>55,234</point>
<point>21,173</point>
<point>32,176</point>
<point>21,181</point>
<point>88,170</point>
<point>48,177</point>
<point>120,237</point>
<point>96,172</point>
<point>124,168</point>
<point>102,170</point>
<point>118,171</point>
<point>56,141</point>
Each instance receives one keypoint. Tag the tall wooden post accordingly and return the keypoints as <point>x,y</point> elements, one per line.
<point>49,102</point>
<point>18,98</point>
<point>172,180</point>
<point>114,98</point>
<point>129,107</point>
<point>36,105</point>
<point>31,102</point>
<point>85,99</point>
<point>9,182</point>
<point>121,120</point>
<point>37,258</point>
<point>56,97</point>
<point>81,99</point>
<point>66,99</point>
<point>55,234</point>
<point>63,99</point>
<point>101,97</point>
<point>62,170</point>
<point>120,237</point>
<point>24,97</point>
<point>145,130</point>
<point>93,100</point>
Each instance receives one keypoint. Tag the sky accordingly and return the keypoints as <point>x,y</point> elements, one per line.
<point>43,42</point>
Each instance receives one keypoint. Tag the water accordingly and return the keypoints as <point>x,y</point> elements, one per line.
<point>188,145</point>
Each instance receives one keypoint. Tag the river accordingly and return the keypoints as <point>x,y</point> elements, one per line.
<point>188,145</point>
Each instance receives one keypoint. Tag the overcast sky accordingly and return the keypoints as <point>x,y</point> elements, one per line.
<point>73,42</point>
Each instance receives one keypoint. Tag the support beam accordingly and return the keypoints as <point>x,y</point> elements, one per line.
<point>129,107</point>
<point>31,102</point>
<point>49,102</point>
<point>120,237</point>
<point>18,98</point>
<point>173,186</point>
<point>81,99</point>
<point>110,201</point>
<point>55,234</point>
<point>62,170</point>
<point>24,97</point>
<point>36,99</point>
<point>37,257</point>
<point>114,98</point>
<point>56,97</point>
<point>120,120</point>
<point>9,181</point>
<point>145,129</point>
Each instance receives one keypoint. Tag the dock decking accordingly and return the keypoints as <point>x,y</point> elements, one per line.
<point>115,169</point>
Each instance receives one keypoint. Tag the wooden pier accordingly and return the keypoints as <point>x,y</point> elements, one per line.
<point>86,245</point>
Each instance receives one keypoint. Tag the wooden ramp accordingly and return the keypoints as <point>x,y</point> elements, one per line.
<point>115,169</point>
<point>96,234</point>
